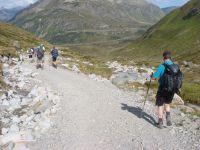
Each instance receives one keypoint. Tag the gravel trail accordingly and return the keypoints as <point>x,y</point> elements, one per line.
<point>99,116</point>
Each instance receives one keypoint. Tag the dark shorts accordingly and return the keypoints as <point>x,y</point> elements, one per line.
<point>54,59</point>
<point>30,56</point>
<point>40,58</point>
<point>164,97</point>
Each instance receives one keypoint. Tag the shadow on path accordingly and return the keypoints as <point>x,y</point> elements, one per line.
<point>137,112</point>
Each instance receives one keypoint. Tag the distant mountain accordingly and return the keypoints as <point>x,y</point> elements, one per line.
<point>78,21</point>
<point>7,14</point>
<point>179,32</point>
<point>12,37</point>
<point>167,10</point>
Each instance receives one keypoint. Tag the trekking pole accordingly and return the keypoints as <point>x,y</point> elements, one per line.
<point>49,62</point>
<point>145,100</point>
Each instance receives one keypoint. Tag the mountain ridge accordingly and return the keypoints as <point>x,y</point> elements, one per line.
<point>179,32</point>
<point>7,14</point>
<point>167,10</point>
<point>69,16</point>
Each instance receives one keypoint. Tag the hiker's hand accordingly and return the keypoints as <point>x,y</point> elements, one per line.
<point>151,75</point>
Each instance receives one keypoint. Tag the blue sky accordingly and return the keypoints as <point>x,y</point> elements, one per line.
<point>160,3</point>
<point>167,3</point>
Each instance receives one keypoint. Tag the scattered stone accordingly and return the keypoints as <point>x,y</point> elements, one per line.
<point>66,66</point>
<point>75,68</point>
<point>4,131</point>
<point>25,107</point>
<point>34,75</point>
<point>5,103</point>
<point>182,114</point>
<point>14,128</point>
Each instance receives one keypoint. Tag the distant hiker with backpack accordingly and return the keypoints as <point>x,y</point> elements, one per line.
<point>30,53</point>
<point>54,54</point>
<point>40,56</point>
<point>170,81</point>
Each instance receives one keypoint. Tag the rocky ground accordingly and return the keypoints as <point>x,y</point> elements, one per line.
<point>93,113</point>
<point>26,108</point>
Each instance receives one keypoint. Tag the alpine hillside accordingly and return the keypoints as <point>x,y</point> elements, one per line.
<point>13,38</point>
<point>79,21</point>
<point>179,32</point>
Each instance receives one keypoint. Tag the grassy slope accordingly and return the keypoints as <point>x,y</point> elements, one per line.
<point>172,33</point>
<point>99,65</point>
<point>13,38</point>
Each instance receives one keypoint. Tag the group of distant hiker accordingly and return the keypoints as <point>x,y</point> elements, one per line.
<point>39,54</point>
<point>169,75</point>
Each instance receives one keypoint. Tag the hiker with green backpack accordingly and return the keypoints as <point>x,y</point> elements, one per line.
<point>170,81</point>
<point>40,56</point>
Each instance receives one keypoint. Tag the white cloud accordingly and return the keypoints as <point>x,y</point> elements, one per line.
<point>14,3</point>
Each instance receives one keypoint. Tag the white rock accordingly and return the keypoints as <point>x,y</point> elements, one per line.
<point>56,100</point>
<point>15,103</point>
<point>5,66</point>
<point>65,66</point>
<point>28,119</point>
<point>178,100</point>
<point>69,59</point>
<point>45,123</point>
<point>21,84</point>
<point>5,120</point>
<point>4,131</point>
<point>34,75</point>
<point>11,137</point>
<point>172,131</point>
<point>15,59</point>
<point>5,103</point>
<point>23,117</point>
<point>47,112</point>
<point>26,101</point>
<point>22,148</point>
<point>53,111</point>
<point>33,93</point>
<point>14,128</point>
<point>16,120</point>
<point>182,115</point>
<point>75,68</point>
<point>10,93</point>
<point>3,97</point>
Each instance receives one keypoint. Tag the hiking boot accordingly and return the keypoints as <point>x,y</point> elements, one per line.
<point>160,123</point>
<point>168,119</point>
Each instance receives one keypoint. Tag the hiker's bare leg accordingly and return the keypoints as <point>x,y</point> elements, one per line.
<point>167,107</point>
<point>160,111</point>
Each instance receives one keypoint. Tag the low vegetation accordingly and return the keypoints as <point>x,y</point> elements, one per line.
<point>2,83</point>
<point>87,64</point>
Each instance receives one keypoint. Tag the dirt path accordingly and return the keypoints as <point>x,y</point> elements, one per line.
<point>99,116</point>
